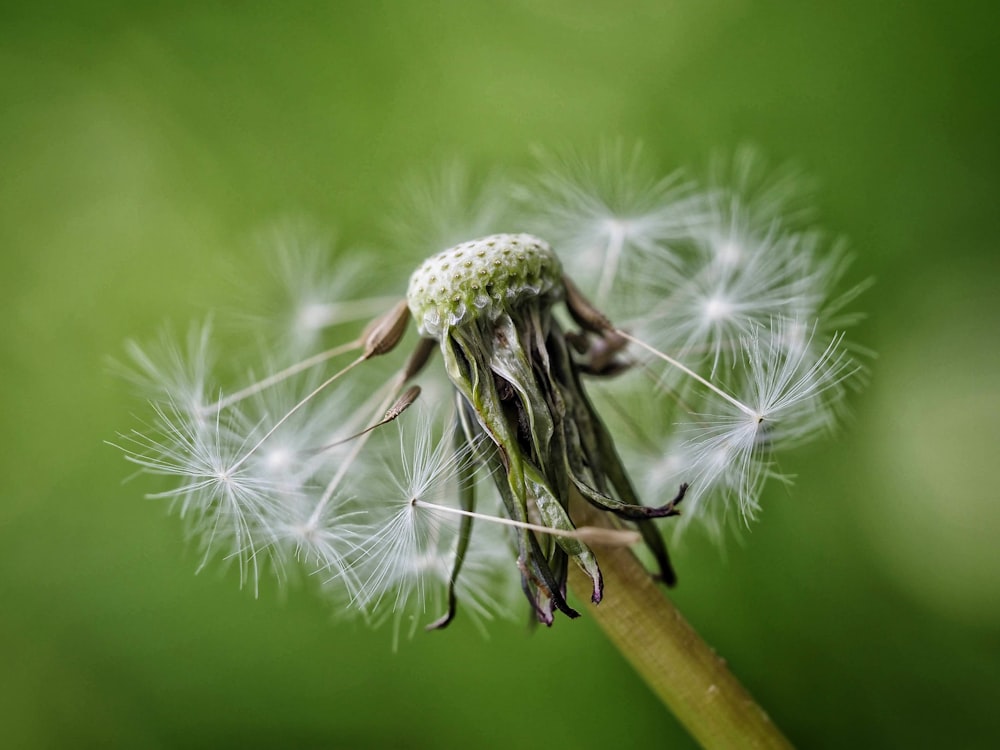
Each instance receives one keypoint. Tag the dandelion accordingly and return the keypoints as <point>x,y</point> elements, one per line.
<point>605,357</point>
<point>727,348</point>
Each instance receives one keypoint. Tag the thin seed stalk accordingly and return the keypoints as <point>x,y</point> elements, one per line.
<point>677,665</point>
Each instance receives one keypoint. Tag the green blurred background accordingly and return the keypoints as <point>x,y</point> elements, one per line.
<point>141,147</point>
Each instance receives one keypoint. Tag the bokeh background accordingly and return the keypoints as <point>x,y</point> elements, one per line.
<point>141,145</point>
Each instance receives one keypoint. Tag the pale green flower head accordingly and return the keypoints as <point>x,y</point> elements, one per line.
<point>481,279</point>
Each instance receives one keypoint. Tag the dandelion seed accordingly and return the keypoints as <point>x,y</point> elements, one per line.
<point>609,215</point>
<point>170,372</point>
<point>223,504</point>
<point>410,558</point>
<point>311,289</point>
<point>448,207</point>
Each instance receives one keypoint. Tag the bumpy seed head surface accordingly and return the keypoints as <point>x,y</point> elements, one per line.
<point>480,279</point>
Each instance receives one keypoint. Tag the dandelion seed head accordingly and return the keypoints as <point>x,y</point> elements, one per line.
<point>725,311</point>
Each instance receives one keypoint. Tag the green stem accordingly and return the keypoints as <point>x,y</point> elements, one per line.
<point>683,670</point>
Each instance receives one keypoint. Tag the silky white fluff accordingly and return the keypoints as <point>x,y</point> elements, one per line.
<point>738,299</point>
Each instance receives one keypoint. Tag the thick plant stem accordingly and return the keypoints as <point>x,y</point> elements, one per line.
<point>671,657</point>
